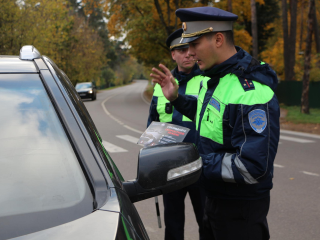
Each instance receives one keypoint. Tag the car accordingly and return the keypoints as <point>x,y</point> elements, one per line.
<point>57,181</point>
<point>87,90</point>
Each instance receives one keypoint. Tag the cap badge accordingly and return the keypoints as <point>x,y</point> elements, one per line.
<point>184,26</point>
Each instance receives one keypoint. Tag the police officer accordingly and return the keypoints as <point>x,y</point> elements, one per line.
<point>237,119</point>
<point>186,75</point>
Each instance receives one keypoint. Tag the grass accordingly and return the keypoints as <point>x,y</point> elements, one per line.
<point>295,116</point>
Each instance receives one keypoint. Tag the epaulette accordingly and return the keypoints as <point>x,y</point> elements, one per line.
<point>246,84</point>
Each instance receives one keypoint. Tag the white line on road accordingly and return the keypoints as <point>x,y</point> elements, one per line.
<point>128,138</point>
<point>113,148</point>
<point>143,98</point>
<point>293,139</point>
<point>311,174</point>
<point>300,134</point>
<point>133,129</point>
<point>114,118</point>
<point>107,112</point>
<point>277,165</point>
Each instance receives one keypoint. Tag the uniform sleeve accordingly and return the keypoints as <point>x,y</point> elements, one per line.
<point>186,105</point>
<point>255,137</point>
<point>153,113</point>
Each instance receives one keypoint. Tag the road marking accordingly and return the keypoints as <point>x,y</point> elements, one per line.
<point>300,134</point>
<point>311,174</point>
<point>116,119</point>
<point>108,113</point>
<point>293,139</point>
<point>128,138</point>
<point>113,148</point>
<point>133,129</point>
<point>143,98</point>
<point>277,165</point>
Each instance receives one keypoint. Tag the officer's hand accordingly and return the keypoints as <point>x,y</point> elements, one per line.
<point>166,81</point>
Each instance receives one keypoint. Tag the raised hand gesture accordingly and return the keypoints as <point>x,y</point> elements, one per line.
<point>166,81</point>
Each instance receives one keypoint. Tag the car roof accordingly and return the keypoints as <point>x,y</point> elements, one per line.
<point>13,64</point>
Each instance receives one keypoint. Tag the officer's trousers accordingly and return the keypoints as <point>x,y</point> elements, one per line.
<point>174,216</point>
<point>236,219</point>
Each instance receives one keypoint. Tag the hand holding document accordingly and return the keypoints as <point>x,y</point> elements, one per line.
<point>162,133</point>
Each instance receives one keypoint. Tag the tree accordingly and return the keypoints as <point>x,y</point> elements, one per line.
<point>267,12</point>
<point>289,38</point>
<point>146,25</point>
<point>305,88</point>
<point>254,29</point>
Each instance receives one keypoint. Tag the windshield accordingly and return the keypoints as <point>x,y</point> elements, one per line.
<point>83,85</point>
<point>41,181</point>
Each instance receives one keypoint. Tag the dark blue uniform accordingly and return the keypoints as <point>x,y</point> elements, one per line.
<point>237,120</point>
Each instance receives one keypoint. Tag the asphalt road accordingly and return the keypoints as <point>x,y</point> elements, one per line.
<point>121,116</point>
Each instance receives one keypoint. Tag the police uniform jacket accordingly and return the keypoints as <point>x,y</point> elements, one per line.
<point>237,117</point>
<point>189,84</point>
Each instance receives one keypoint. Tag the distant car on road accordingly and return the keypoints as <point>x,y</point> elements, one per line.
<point>87,90</point>
<point>57,181</point>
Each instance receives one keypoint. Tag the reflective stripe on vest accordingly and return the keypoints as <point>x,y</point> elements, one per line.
<point>228,91</point>
<point>192,88</point>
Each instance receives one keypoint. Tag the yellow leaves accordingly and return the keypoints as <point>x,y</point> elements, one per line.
<point>274,56</point>
<point>243,39</point>
<point>90,5</point>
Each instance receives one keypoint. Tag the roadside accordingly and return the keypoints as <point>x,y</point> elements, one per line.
<point>113,87</point>
<point>289,122</point>
<point>290,118</point>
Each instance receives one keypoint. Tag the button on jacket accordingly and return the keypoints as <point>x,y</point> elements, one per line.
<point>237,119</point>
<point>189,84</point>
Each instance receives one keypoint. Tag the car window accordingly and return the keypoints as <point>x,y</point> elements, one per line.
<point>88,123</point>
<point>40,176</point>
<point>83,86</point>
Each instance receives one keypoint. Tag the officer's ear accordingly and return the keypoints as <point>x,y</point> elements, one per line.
<point>173,54</point>
<point>219,39</point>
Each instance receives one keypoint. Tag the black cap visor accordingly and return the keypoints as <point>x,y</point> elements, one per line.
<point>190,39</point>
<point>180,47</point>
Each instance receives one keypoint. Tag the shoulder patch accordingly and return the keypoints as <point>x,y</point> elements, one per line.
<point>246,84</point>
<point>258,120</point>
<point>213,102</point>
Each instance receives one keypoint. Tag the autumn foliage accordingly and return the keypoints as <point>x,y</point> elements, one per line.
<point>147,23</point>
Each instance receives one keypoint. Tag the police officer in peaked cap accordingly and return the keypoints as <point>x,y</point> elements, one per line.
<point>187,76</point>
<point>237,121</point>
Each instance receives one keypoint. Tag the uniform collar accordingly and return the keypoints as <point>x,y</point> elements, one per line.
<point>229,65</point>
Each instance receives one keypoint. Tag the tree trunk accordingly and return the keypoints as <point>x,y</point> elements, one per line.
<point>158,7</point>
<point>230,5</point>
<point>316,36</point>
<point>292,39</point>
<point>289,38</point>
<point>301,27</point>
<point>285,36</point>
<point>316,30</point>
<point>306,75</point>
<point>176,20</point>
<point>254,29</point>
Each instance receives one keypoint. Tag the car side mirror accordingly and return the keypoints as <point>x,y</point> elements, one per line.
<point>163,169</point>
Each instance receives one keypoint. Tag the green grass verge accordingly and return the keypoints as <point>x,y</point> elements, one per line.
<point>295,116</point>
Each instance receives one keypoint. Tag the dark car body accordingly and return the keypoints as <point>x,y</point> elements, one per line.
<point>87,90</point>
<point>57,181</point>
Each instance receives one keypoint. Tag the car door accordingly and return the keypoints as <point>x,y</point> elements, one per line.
<point>130,224</point>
